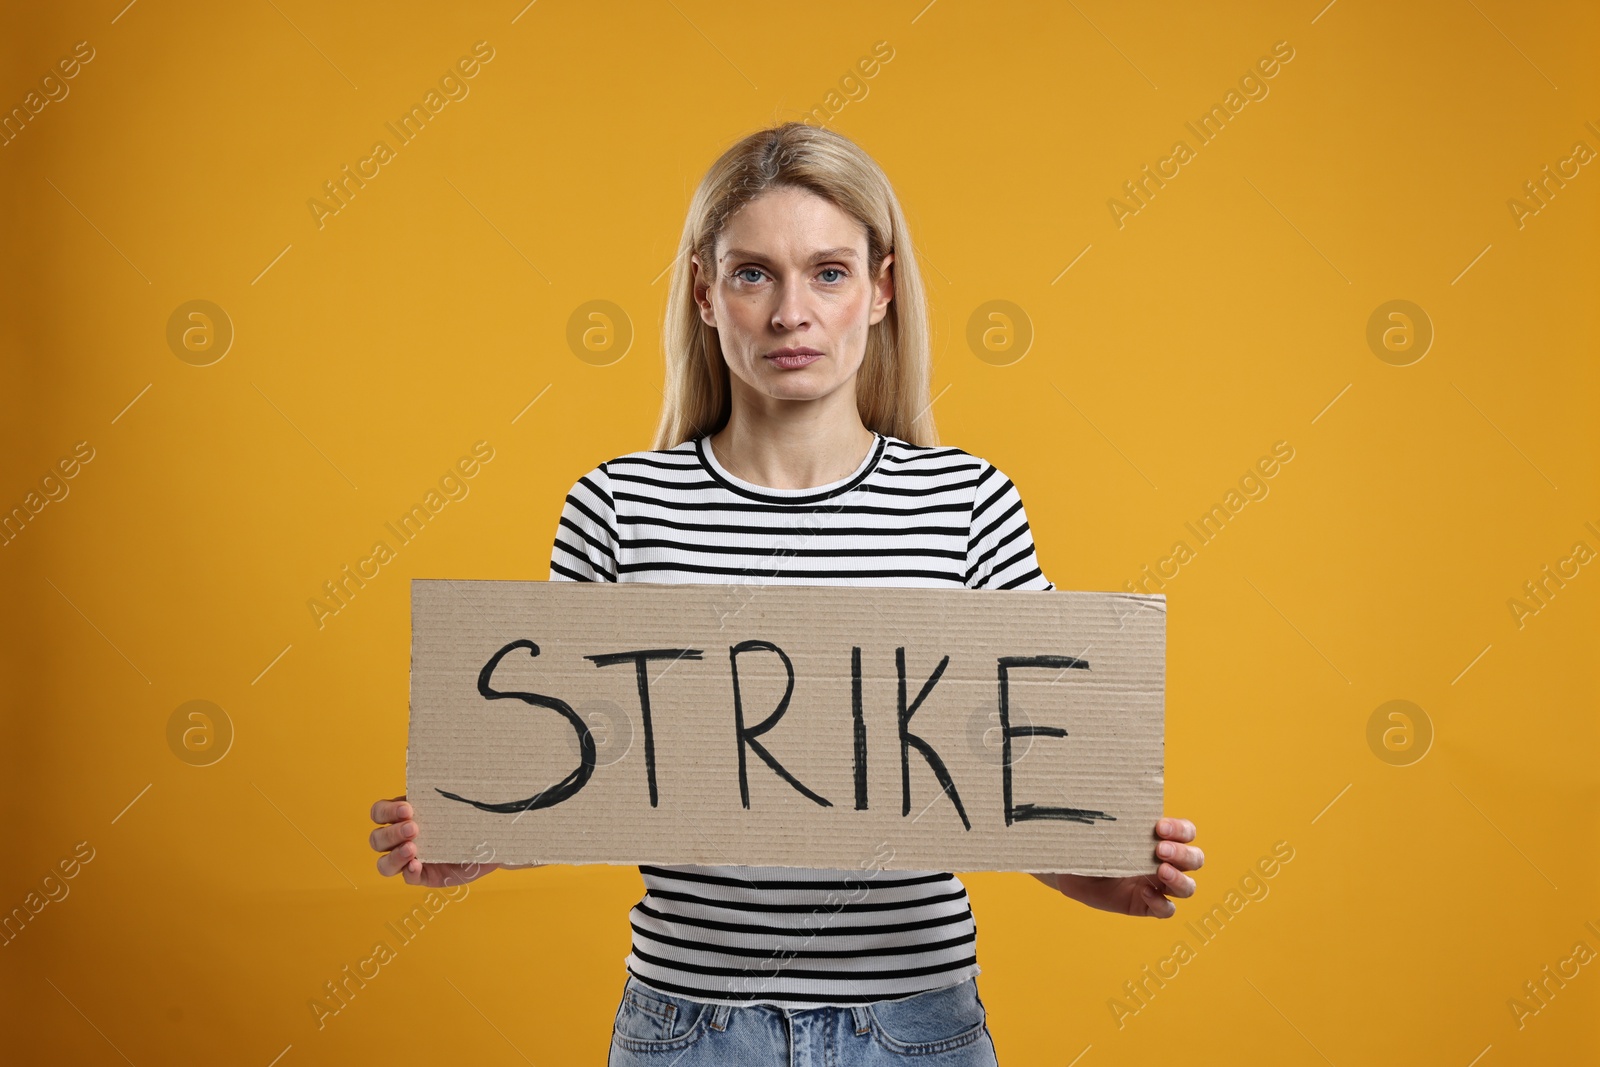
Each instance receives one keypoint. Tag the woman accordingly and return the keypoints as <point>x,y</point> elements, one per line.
<point>797,446</point>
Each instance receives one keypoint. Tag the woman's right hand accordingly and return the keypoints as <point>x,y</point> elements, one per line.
<point>396,838</point>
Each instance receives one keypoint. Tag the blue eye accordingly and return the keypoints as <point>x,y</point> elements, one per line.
<point>740,274</point>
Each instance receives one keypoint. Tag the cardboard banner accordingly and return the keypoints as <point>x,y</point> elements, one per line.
<point>788,725</point>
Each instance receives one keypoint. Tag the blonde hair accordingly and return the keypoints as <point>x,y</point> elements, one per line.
<point>894,382</point>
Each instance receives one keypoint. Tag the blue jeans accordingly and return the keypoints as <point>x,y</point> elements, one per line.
<point>940,1028</point>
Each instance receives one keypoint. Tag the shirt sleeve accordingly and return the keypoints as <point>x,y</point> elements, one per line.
<point>1000,552</point>
<point>585,548</point>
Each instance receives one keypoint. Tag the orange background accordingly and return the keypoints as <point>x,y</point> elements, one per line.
<point>1229,313</point>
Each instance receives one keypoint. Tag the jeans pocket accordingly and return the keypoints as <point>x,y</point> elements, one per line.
<point>649,1020</point>
<point>936,1021</point>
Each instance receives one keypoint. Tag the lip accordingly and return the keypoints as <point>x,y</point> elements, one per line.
<point>793,358</point>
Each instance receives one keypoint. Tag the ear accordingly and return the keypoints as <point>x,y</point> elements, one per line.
<point>701,291</point>
<point>885,290</point>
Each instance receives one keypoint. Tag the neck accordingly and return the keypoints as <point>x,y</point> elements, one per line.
<point>791,453</point>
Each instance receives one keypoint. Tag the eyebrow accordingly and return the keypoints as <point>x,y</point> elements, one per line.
<point>826,253</point>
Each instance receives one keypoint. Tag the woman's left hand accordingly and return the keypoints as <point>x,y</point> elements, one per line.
<point>1145,894</point>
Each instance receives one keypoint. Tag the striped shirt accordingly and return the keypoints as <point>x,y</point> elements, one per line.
<point>907,516</point>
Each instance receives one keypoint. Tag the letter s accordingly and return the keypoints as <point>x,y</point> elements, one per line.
<point>78,851</point>
<point>1284,851</point>
<point>1283,450</point>
<point>569,785</point>
<point>883,50</point>
<point>78,48</point>
<point>483,50</point>
<point>483,450</point>
<point>1283,51</point>
<point>77,450</point>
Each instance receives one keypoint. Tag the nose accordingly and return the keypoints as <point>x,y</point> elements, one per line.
<point>792,308</point>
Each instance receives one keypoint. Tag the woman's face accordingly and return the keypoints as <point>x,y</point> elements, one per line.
<point>791,273</point>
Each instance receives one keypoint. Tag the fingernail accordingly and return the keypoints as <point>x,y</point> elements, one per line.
<point>1164,827</point>
<point>1164,849</point>
<point>410,829</point>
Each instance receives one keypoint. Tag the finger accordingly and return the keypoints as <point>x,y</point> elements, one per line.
<point>385,811</point>
<point>391,862</point>
<point>1175,829</point>
<point>1175,881</point>
<point>1183,857</point>
<point>386,837</point>
<point>1158,905</point>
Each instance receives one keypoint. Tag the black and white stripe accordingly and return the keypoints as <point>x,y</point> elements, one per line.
<point>908,516</point>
